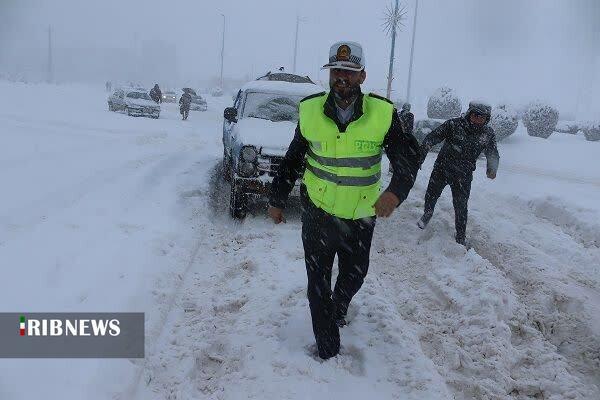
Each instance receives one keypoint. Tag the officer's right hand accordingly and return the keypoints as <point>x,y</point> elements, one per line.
<point>276,214</point>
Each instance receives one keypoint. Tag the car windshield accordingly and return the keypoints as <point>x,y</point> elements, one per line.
<point>138,95</point>
<point>274,107</point>
<point>198,100</point>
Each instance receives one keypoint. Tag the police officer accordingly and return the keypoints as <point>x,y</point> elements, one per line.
<point>339,139</point>
<point>464,140</point>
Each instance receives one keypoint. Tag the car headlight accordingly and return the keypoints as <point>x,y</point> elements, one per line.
<point>247,169</point>
<point>249,154</point>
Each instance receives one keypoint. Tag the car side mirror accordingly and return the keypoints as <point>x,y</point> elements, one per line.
<point>230,114</point>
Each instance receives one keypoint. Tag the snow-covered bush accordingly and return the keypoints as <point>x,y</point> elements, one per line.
<point>443,104</point>
<point>423,127</point>
<point>540,120</point>
<point>570,127</point>
<point>591,130</point>
<point>504,121</point>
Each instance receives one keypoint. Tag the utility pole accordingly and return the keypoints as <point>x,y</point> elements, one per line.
<point>222,50</point>
<point>296,43</point>
<point>412,52</point>
<point>50,72</point>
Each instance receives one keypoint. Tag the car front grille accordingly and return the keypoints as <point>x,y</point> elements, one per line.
<point>268,165</point>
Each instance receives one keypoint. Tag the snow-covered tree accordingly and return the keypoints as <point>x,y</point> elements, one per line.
<point>443,104</point>
<point>540,119</point>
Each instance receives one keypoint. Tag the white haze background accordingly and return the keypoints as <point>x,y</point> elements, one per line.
<point>500,50</point>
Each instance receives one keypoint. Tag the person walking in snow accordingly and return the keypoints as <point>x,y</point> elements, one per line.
<point>464,140</point>
<point>185,102</point>
<point>156,94</point>
<point>340,138</point>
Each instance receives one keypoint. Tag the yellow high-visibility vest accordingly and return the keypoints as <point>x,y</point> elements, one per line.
<point>343,169</point>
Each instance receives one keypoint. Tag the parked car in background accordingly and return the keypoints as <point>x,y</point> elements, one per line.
<point>257,131</point>
<point>139,104</point>
<point>198,103</point>
<point>216,92</point>
<point>169,96</point>
<point>116,101</point>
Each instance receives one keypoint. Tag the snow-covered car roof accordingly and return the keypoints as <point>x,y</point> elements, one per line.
<point>303,89</point>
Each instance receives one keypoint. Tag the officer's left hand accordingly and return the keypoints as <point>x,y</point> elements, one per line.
<point>491,174</point>
<point>386,204</point>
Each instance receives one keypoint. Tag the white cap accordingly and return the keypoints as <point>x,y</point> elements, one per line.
<point>346,55</point>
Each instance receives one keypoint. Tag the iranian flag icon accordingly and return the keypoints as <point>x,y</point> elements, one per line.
<point>22,326</point>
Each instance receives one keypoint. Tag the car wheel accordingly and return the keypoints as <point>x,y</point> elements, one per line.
<point>128,112</point>
<point>110,107</point>
<point>238,202</point>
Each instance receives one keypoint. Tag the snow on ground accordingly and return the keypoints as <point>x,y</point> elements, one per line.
<point>104,212</point>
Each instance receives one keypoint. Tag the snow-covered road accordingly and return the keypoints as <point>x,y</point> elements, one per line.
<point>103,212</point>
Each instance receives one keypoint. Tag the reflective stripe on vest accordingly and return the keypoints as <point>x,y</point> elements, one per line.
<point>356,162</point>
<point>343,169</point>
<point>345,180</point>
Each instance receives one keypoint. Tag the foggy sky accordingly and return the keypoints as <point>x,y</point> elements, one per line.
<point>510,50</point>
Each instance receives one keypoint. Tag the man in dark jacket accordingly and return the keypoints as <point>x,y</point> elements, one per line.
<point>464,140</point>
<point>156,94</point>
<point>185,101</point>
<point>339,139</point>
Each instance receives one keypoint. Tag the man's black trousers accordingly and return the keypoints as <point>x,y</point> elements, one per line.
<point>460,184</point>
<point>324,236</point>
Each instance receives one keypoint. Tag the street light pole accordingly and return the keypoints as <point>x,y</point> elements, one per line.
<point>412,52</point>
<point>391,67</point>
<point>296,44</point>
<point>392,22</point>
<point>50,72</point>
<point>222,50</point>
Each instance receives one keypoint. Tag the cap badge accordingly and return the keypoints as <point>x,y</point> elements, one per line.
<point>343,53</point>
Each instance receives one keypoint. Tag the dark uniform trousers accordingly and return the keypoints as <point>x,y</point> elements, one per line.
<point>324,236</point>
<point>460,184</point>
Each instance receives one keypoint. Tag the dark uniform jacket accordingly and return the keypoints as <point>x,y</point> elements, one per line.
<point>462,146</point>
<point>401,148</point>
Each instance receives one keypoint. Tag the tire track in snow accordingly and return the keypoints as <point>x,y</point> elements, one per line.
<point>195,277</point>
